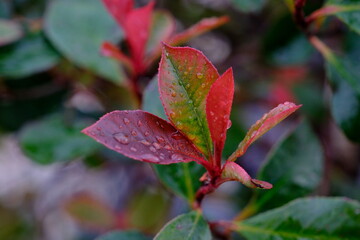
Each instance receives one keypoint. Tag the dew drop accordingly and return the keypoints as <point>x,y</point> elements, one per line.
<point>212,113</point>
<point>139,123</point>
<point>126,121</point>
<point>192,137</point>
<point>167,147</point>
<point>146,143</point>
<point>190,68</point>
<point>190,101</point>
<point>199,75</point>
<point>152,149</point>
<point>117,147</point>
<point>176,135</point>
<point>147,133</point>
<point>98,128</point>
<point>203,85</point>
<point>173,93</point>
<point>134,133</point>
<point>133,149</point>
<point>157,123</point>
<point>120,127</point>
<point>186,73</point>
<point>172,114</point>
<point>156,145</point>
<point>176,157</point>
<point>160,139</point>
<point>229,124</point>
<point>187,85</point>
<point>162,156</point>
<point>149,157</point>
<point>121,138</point>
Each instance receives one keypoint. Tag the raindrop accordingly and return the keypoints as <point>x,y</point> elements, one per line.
<point>146,143</point>
<point>176,135</point>
<point>126,121</point>
<point>139,123</point>
<point>173,93</point>
<point>120,127</point>
<point>152,149</point>
<point>185,73</point>
<point>212,113</point>
<point>187,85</point>
<point>134,133</point>
<point>117,147</point>
<point>167,147</point>
<point>203,85</point>
<point>121,138</point>
<point>162,156</point>
<point>149,157</point>
<point>190,101</point>
<point>98,128</point>
<point>172,114</point>
<point>199,75</point>
<point>192,137</point>
<point>177,157</point>
<point>156,145</point>
<point>229,124</point>
<point>147,133</point>
<point>133,149</point>
<point>160,139</point>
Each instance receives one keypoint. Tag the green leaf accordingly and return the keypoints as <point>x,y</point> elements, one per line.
<point>294,167</point>
<point>78,28</point>
<point>348,12</point>
<point>190,226</point>
<point>306,219</point>
<point>249,5</point>
<point>10,31</point>
<point>52,140</point>
<point>185,78</point>
<point>122,235</point>
<point>181,178</point>
<point>30,55</point>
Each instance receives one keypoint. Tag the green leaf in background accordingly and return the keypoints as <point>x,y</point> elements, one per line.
<point>30,55</point>
<point>123,235</point>
<point>306,219</point>
<point>249,5</point>
<point>189,226</point>
<point>51,140</point>
<point>181,178</point>
<point>10,31</point>
<point>78,28</point>
<point>349,12</point>
<point>294,167</point>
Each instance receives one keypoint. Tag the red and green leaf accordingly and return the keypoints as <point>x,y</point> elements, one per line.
<point>233,172</point>
<point>185,78</point>
<point>144,137</point>
<point>119,9</point>
<point>218,108</point>
<point>268,121</point>
<point>201,27</point>
<point>137,27</point>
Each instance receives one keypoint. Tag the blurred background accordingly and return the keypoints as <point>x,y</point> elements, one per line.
<point>58,184</point>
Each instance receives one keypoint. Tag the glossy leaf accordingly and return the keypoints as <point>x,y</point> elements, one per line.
<point>185,78</point>
<point>218,109</point>
<point>32,54</point>
<point>122,235</point>
<point>78,32</point>
<point>189,226</point>
<point>90,211</point>
<point>268,121</point>
<point>162,27</point>
<point>119,9</point>
<point>142,136</point>
<point>347,11</point>
<point>201,27</point>
<point>10,31</point>
<point>137,28</point>
<point>309,218</point>
<point>52,140</point>
<point>294,167</point>
<point>181,178</point>
<point>249,5</point>
<point>233,172</point>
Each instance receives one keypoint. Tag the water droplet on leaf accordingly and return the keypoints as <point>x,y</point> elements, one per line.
<point>176,135</point>
<point>152,149</point>
<point>149,157</point>
<point>126,121</point>
<point>133,132</point>
<point>121,138</point>
<point>160,139</point>
<point>176,157</point>
<point>199,75</point>
<point>133,149</point>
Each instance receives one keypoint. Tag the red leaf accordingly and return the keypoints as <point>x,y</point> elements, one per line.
<point>110,50</point>
<point>137,28</point>
<point>201,27</point>
<point>119,9</point>
<point>185,78</point>
<point>144,137</point>
<point>233,172</point>
<point>268,121</point>
<point>218,108</point>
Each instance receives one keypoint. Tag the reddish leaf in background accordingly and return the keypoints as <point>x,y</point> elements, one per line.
<point>110,50</point>
<point>233,172</point>
<point>218,108</point>
<point>137,27</point>
<point>119,9</point>
<point>144,137</point>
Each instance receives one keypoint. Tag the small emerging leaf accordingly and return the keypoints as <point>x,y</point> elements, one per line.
<point>143,136</point>
<point>189,226</point>
<point>218,108</point>
<point>233,172</point>
<point>185,78</point>
<point>268,121</point>
<point>201,27</point>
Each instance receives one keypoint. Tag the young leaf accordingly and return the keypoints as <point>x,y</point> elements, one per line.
<point>137,28</point>
<point>185,78</point>
<point>294,167</point>
<point>201,27</point>
<point>233,172</point>
<point>142,136</point>
<point>218,108</point>
<point>268,121</point>
<point>189,226</point>
<point>119,9</point>
<point>90,211</point>
<point>122,235</point>
<point>308,218</point>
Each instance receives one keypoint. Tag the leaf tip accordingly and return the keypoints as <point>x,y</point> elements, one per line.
<point>261,184</point>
